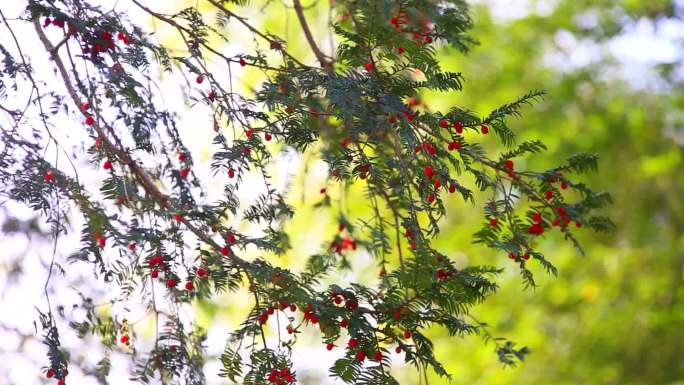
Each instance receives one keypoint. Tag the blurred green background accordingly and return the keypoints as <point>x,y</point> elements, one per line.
<point>613,72</point>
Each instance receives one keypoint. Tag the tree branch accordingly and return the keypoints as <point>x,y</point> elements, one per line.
<point>309,37</point>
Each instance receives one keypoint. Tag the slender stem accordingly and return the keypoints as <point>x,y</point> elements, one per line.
<point>309,36</point>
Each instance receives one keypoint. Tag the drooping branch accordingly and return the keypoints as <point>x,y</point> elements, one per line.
<point>309,36</point>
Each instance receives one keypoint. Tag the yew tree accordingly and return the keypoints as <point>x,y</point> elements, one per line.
<point>150,232</point>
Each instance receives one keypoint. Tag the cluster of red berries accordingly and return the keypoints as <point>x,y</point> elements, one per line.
<point>51,372</point>
<point>100,239</point>
<point>422,36</point>
<point>516,257</point>
<point>281,305</point>
<point>185,170</point>
<point>279,377</point>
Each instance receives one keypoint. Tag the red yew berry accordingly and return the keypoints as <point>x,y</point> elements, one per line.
<point>509,164</point>
<point>428,39</point>
<point>49,177</point>
<point>101,241</point>
<point>537,217</point>
<point>431,198</point>
<point>199,79</point>
<point>536,229</point>
<point>513,256</point>
<point>484,129</point>
<point>428,171</point>
<point>555,222</point>
<point>407,334</point>
<point>526,256</point>
<point>124,339</point>
<point>360,356</point>
<point>184,172</point>
<point>560,211</point>
<point>47,22</point>
<point>458,127</point>
<point>444,123</point>
<point>549,194</point>
<point>337,300</point>
<point>437,183</point>
<point>189,286</point>
<point>452,188</point>
<point>231,173</point>
<point>89,120</point>
<point>249,133</point>
<point>454,146</point>
<point>50,373</point>
<point>231,238</point>
<point>397,349</point>
<point>171,283</point>
<point>293,307</point>
<point>242,62</point>
<point>377,356</point>
<point>493,222</point>
<point>154,273</point>
<point>369,67</point>
<point>202,272</point>
<point>578,224</point>
<point>268,137</point>
<point>344,323</point>
<point>401,51</point>
<point>212,95</point>
<point>224,251</point>
<point>132,246</point>
<point>290,330</point>
<point>61,382</point>
<point>563,185</point>
<point>182,157</point>
<point>329,346</point>
<point>353,343</point>
<point>397,315</point>
<point>178,217</point>
<point>85,106</point>
<point>107,165</point>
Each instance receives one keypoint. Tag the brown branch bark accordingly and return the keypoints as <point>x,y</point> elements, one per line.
<point>309,36</point>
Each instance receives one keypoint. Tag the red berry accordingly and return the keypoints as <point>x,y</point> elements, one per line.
<point>124,339</point>
<point>177,217</point>
<point>101,241</point>
<point>182,157</point>
<point>48,177</point>
<point>563,185</point>
<point>454,146</point>
<point>397,349</point>
<point>231,238</point>
<point>369,67</point>
<point>107,165</point>
<point>154,273</point>
<point>437,183</point>
<point>290,330</point>
<point>242,62</point>
<point>344,323</point>
<point>452,188</point>
<point>401,51</point>
<point>85,106</point>
<point>407,334</point>
<point>184,172</point>
<point>249,133</point>
<point>267,136</point>
<point>493,222</point>
<point>537,217</point>
<point>231,173</point>
<point>89,120</point>
<point>293,307</point>
<point>377,356</point>
<point>578,224</point>
<point>199,79</point>
<point>352,343</point>
<point>329,346</point>
<point>428,171</point>
<point>484,129</point>
<point>171,283</point>
<point>61,382</point>
<point>360,356</point>
<point>549,194</point>
<point>212,95</point>
<point>47,22</point>
<point>428,39</point>
<point>189,286</point>
<point>509,164</point>
<point>444,123</point>
<point>224,251</point>
<point>536,229</point>
<point>431,197</point>
<point>50,373</point>
<point>526,256</point>
<point>458,127</point>
<point>397,315</point>
<point>132,246</point>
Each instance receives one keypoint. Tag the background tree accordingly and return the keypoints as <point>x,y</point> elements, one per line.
<point>359,110</point>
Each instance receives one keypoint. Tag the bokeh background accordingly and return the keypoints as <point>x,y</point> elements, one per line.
<point>614,73</point>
